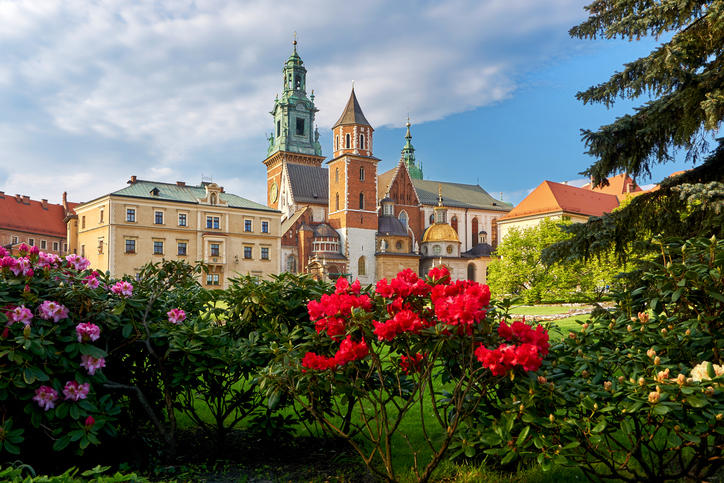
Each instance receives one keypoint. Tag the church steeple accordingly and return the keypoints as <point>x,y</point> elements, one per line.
<point>352,132</point>
<point>294,112</point>
<point>408,156</point>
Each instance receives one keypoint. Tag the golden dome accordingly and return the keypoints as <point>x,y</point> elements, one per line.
<point>440,232</point>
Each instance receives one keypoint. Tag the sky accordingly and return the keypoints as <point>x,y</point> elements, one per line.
<point>93,92</point>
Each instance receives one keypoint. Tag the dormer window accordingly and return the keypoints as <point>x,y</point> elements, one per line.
<point>212,198</point>
<point>154,191</point>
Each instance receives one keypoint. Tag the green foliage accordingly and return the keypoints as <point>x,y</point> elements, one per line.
<point>622,398</point>
<point>521,270</point>
<point>13,475</point>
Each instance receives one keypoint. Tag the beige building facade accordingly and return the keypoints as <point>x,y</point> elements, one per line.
<point>150,221</point>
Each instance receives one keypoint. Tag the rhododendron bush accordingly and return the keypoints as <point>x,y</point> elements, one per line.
<point>638,393</point>
<point>376,356</point>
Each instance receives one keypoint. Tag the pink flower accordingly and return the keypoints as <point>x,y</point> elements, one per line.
<point>77,262</point>
<point>3,252</point>
<point>87,332</point>
<point>34,250</point>
<point>91,282</point>
<point>91,363</point>
<point>20,314</point>
<point>46,397</point>
<point>53,310</point>
<point>89,422</point>
<point>22,266</point>
<point>75,391</point>
<point>176,316</point>
<point>23,249</point>
<point>49,260</point>
<point>122,288</point>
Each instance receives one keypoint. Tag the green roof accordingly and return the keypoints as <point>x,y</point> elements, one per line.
<point>183,194</point>
<point>457,195</point>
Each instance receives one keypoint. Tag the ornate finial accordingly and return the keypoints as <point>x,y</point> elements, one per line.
<point>352,84</point>
<point>439,194</point>
<point>295,41</point>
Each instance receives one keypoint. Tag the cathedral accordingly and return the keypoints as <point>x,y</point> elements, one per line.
<point>344,217</point>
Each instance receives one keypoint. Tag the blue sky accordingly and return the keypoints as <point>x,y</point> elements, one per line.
<point>94,92</point>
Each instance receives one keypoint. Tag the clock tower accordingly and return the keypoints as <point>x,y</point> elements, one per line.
<point>294,138</point>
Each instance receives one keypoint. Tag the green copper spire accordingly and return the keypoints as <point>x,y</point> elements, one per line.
<point>408,155</point>
<point>294,112</point>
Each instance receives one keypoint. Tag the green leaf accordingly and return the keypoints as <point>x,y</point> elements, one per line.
<point>674,440</point>
<point>74,411</point>
<point>691,438</point>
<point>470,451</point>
<point>661,409</point>
<point>61,443</point>
<point>599,427</point>
<point>523,435</point>
<point>697,401</point>
<point>28,375</point>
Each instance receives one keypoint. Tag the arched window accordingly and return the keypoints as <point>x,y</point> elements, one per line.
<point>361,201</point>
<point>432,218</point>
<point>336,175</point>
<point>297,82</point>
<point>347,141</point>
<point>311,216</point>
<point>403,218</point>
<point>475,231</point>
<point>454,223</point>
<point>471,272</point>
<point>292,264</point>
<point>361,141</point>
<point>336,143</point>
<point>362,173</point>
<point>213,198</point>
<point>361,266</point>
<point>336,202</point>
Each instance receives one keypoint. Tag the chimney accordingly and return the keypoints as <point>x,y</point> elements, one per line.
<point>18,198</point>
<point>564,182</point>
<point>133,180</point>
<point>180,183</point>
<point>26,200</point>
<point>44,203</point>
<point>221,189</point>
<point>2,194</point>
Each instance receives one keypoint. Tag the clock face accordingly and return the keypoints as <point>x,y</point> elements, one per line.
<point>274,192</point>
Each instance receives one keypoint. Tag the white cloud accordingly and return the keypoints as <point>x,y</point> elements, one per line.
<point>125,85</point>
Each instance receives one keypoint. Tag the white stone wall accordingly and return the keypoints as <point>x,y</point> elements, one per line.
<point>360,242</point>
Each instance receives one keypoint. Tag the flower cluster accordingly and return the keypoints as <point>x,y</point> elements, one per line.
<point>91,281</point>
<point>87,332</point>
<point>527,350</point>
<point>53,311</point>
<point>461,303</point>
<point>19,314</point>
<point>176,316</point>
<point>412,363</point>
<point>92,364</point>
<point>349,351</point>
<point>77,262</point>
<point>700,372</point>
<point>122,288</point>
<point>75,391</point>
<point>46,396</point>
<point>331,311</point>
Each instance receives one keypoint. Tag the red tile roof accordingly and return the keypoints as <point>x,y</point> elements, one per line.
<point>617,185</point>
<point>20,213</point>
<point>552,197</point>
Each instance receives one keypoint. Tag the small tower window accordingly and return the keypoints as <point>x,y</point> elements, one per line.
<point>432,219</point>
<point>403,218</point>
<point>361,201</point>
<point>336,202</point>
<point>361,141</point>
<point>300,127</point>
<point>361,266</point>
<point>347,141</point>
<point>298,82</point>
<point>362,173</point>
<point>279,128</point>
<point>336,175</point>
<point>336,143</point>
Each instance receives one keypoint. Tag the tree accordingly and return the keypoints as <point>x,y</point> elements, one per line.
<point>684,77</point>
<point>521,270</point>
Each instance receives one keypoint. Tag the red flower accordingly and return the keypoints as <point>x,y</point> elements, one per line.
<point>412,363</point>
<point>350,351</point>
<point>317,363</point>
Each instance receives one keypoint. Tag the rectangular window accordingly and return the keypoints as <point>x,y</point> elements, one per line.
<point>159,218</point>
<point>265,227</point>
<point>214,249</point>
<point>31,242</point>
<point>43,244</point>
<point>247,225</point>
<point>82,222</point>
<point>264,253</point>
<point>130,246</point>
<point>300,127</point>
<point>14,240</point>
<point>55,246</point>
<point>65,248</point>
<point>130,215</point>
<point>100,219</point>
<point>100,246</point>
<point>212,279</point>
<point>212,222</point>
<point>82,250</point>
<point>158,248</point>
<point>182,219</point>
<point>182,248</point>
<point>247,253</point>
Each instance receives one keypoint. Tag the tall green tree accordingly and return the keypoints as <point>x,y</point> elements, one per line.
<point>684,78</point>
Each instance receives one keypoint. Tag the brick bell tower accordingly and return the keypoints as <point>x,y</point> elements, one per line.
<point>353,190</point>
<point>294,138</point>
